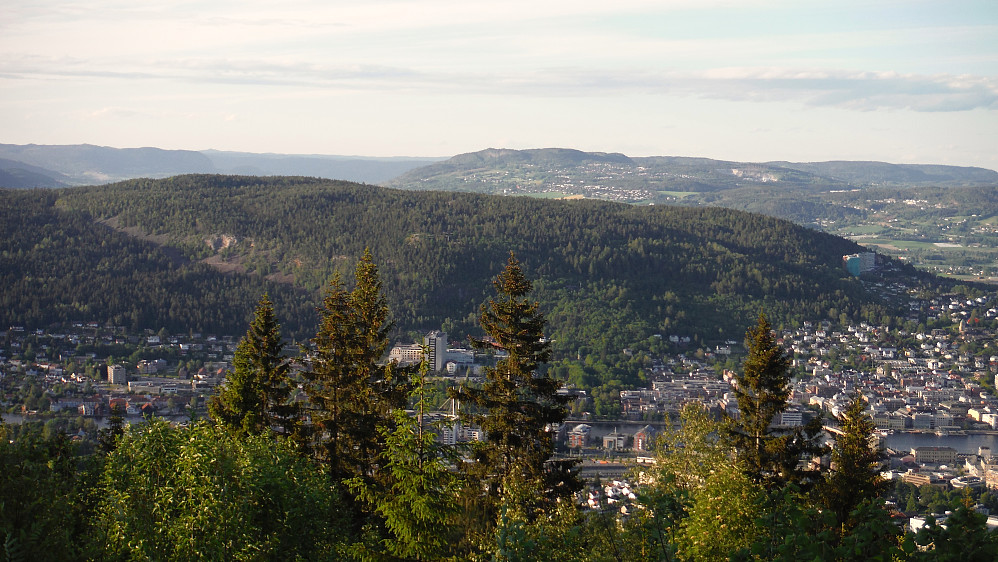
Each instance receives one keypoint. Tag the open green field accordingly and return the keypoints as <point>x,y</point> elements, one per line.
<point>969,278</point>
<point>901,244</point>
<point>548,195</point>
<point>861,229</point>
<point>677,194</point>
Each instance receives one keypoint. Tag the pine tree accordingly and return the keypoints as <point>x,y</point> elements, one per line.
<point>516,405</point>
<point>351,395</point>
<point>107,439</point>
<point>337,394</point>
<point>254,398</point>
<point>391,388</point>
<point>768,454</point>
<point>417,494</point>
<point>855,473</point>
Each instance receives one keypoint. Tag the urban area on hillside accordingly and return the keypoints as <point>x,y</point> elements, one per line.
<point>930,392</point>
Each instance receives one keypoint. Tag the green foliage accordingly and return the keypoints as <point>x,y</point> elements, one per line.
<point>201,494</point>
<point>108,438</point>
<point>418,501</point>
<point>794,530</point>
<point>41,501</point>
<point>61,265</point>
<point>723,514</point>
<point>254,399</point>
<point>855,474</point>
<point>608,274</point>
<point>350,394</point>
<point>769,455</point>
<point>341,399</point>
<point>516,404</point>
<point>702,506</point>
<point>563,534</point>
<point>963,537</point>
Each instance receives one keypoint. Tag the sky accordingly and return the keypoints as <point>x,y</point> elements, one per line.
<point>753,80</point>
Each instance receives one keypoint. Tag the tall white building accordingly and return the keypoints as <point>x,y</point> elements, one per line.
<point>436,344</point>
<point>116,374</point>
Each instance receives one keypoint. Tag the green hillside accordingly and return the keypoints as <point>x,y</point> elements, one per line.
<point>607,274</point>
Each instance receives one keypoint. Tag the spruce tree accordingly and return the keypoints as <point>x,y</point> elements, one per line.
<point>855,472</point>
<point>768,454</point>
<point>107,439</point>
<point>417,493</point>
<point>337,395</point>
<point>351,395</point>
<point>391,387</point>
<point>516,405</point>
<point>254,398</point>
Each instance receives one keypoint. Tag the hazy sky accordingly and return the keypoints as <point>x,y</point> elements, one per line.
<point>802,80</point>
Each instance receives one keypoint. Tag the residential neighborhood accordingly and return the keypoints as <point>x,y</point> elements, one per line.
<point>933,384</point>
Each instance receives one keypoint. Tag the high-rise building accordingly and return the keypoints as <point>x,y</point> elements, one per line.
<point>436,347</point>
<point>860,263</point>
<point>116,374</point>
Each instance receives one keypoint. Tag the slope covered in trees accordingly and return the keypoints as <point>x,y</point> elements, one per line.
<point>58,265</point>
<point>607,275</point>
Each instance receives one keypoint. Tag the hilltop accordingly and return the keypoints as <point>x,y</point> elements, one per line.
<point>193,252</point>
<point>660,179</point>
<point>941,218</point>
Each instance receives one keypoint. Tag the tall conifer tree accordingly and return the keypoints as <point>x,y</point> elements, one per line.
<point>416,495</point>
<point>516,405</point>
<point>337,394</point>
<point>255,396</point>
<point>855,472</point>
<point>351,395</point>
<point>769,454</point>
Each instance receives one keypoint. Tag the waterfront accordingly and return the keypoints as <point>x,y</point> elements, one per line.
<point>967,444</point>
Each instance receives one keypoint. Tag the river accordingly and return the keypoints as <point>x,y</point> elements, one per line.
<point>967,444</point>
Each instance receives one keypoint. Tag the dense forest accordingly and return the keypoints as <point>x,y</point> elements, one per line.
<point>607,274</point>
<point>59,265</point>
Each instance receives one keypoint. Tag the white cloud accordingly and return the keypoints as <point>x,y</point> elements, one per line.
<point>865,90</point>
<point>405,67</point>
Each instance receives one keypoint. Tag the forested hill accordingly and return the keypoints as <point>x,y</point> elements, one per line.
<point>607,274</point>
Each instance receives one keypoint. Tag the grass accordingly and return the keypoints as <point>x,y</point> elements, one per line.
<point>903,244</point>
<point>677,194</point>
<point>547,195</point>
<point>863,229</point>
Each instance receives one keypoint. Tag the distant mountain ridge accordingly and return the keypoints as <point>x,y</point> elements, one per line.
<point>19,175</point>
<point>88,164</point>
<point>881,173</point>
<point>557,169</point>
<point>530,170</point>
<point>63,165</point>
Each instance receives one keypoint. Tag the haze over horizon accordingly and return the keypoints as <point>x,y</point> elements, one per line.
<point>756,80</point>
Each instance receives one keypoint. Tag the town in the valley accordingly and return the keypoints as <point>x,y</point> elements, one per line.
<point>930,392</point>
